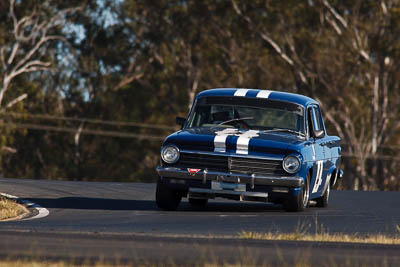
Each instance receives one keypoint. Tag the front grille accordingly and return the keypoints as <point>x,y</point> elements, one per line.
<point>231,164</point>
<point>203,161</point>
<point>257,166</point>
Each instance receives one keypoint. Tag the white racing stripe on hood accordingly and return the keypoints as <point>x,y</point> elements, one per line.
<point>241,92</point>
<point>219,143</point>
<point>264,93</point>
<point>242,145</point>
<point>220,139</point>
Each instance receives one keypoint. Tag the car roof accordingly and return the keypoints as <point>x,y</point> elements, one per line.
<point>273,95</point>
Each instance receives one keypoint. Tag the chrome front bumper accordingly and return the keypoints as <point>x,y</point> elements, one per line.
<point>204,175</point>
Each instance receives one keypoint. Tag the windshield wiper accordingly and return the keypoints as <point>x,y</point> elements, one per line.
<point>237,119</point>
<point>283,130</point>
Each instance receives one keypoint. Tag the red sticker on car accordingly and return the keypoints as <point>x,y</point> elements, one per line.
<point>192,172</point>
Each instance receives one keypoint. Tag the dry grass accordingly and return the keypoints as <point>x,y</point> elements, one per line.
<point>302,233</point>
<point>9,209</point>
<point>324,237</point>
<point>20,263</point>
<point>26,263</point>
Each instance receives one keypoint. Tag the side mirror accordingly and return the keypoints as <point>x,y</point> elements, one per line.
<point>180,121</point>
<point>319,134</point>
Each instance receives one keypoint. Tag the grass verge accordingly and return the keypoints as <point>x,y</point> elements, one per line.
<point>324,237</point>
<point>22,263</point>
<point>303,233</point>
<point>26,263</point>
<point>299,263</point>
<point>9,209</point>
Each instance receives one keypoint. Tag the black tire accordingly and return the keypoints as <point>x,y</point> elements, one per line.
<point>198,202</point>
<point>299,202</point>
<point>166,198</point>
<point>322,202</point>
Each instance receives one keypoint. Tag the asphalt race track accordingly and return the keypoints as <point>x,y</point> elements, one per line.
<point>119,222</point>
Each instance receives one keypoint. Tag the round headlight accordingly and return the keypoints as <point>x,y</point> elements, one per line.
<point>291,164</point>
<point>170,154</point>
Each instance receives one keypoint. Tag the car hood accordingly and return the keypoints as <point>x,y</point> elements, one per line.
<point>235,141</point>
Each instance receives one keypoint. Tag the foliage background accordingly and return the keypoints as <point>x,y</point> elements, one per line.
<point>127,68</point>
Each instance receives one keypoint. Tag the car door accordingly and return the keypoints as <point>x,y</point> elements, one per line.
<point>332,152</point>
<point>319,150</point>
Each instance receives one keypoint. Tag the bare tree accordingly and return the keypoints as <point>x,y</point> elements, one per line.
<point>26,53</point>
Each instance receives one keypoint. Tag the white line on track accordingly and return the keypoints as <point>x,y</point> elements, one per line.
<point>42,212</point>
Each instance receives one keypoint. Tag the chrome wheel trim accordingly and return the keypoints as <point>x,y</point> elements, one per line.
<point>306,193</point>
<point>328,190</point>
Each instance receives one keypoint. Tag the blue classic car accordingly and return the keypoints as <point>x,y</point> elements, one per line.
<point>249,144</point>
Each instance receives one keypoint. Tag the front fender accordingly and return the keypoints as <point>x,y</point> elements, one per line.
<point>307,166</point>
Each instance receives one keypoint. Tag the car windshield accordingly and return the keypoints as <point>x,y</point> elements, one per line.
<point>247,113</point>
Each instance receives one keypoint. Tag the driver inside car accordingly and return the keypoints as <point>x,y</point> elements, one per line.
<point>224,118</point>
<point>220,116</point>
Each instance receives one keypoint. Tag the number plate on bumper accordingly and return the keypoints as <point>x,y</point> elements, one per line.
<point>228,186</point>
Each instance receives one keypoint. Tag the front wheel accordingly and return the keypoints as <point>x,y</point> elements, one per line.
<point>166,198</point>
<point>299,202</point>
